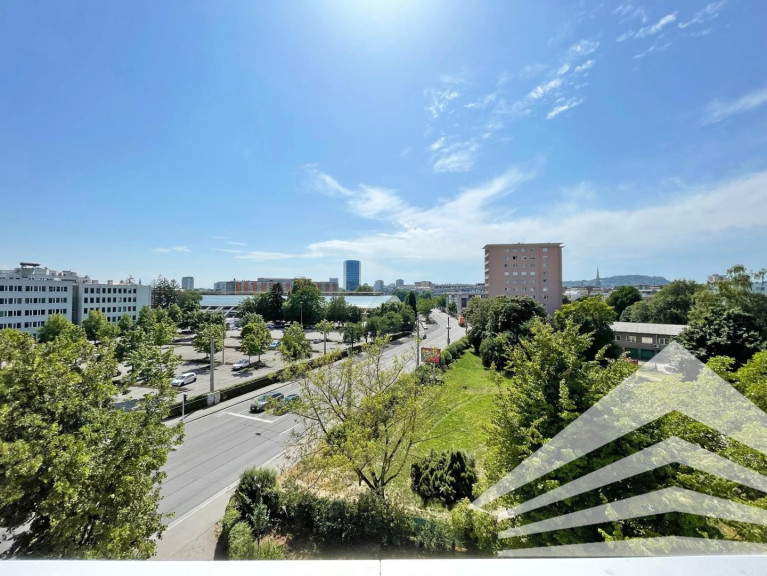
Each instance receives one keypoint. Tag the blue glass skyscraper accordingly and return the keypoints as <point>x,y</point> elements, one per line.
<point>352,274</point>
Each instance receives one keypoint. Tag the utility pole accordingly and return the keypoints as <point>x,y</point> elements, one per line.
<point>183,405</point>
<point>417,341</point>
<point>301,304</point>
<point>448,329</point>
<point>212,359</point>
<point>223,345</point>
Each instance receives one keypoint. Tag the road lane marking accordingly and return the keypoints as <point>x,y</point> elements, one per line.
<point>199,507</point>
<point>289,429</point>
<point>255,417</point>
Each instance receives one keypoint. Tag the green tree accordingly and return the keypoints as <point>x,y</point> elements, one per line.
<point>363,418</point>
<point>325,326</point>
<point>622,298</point>
<point>164,292</point>
<point>97,327</point>
<point>256,337</point>
<point>593,316</point>
<point>337,310</point>
<point>275,302</point>
<point>425,306</point>
<point>158,324</point>
<point>305,303</point>
<point>294,345</point>
<point>188,301</point>
<point>723,332</point>
<point>452,308</point>
<point>364,288</point>
<point>670,305</point>
<point>354,314</point>
<point>80,479</point>
<point>478,314</point>
<point>125,324</point>
<point>203,336</point>
<point>411,301</point>
<point>57,325</point>
<point>352,332</point>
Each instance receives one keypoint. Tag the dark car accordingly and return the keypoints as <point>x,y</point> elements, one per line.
<point>260,403</point>
<point>290,399</point>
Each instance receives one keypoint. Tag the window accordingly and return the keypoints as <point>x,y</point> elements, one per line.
<point>544,249</point>
<point>617,337</point>
<point>646,339</point>
<point>514,273</point>
<point>630,338</point>
<point>505,273</point>
<point>663,340</point>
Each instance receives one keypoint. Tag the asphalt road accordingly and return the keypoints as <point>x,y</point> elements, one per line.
<point>219,446</point>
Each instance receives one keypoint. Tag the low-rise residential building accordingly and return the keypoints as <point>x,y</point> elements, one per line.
<point>642,341</point>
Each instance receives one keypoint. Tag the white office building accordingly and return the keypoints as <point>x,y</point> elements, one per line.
<point>29,294</point>
<point>114,300</point>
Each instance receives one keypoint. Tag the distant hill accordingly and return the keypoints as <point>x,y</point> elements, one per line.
<point>614,281</point>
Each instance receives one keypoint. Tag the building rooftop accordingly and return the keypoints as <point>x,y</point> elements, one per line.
<point>646,328</point>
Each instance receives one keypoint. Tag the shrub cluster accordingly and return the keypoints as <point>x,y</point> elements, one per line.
<point>453,352</point>
<point>446,477</point>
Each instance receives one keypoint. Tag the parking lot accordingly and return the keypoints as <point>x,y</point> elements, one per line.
<point>223,376</point>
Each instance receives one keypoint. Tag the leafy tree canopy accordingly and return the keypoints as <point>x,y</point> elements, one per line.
<point>593,316</point>
<point>622,298</point>
<point>304,303</point>
<point>164,292</point>
<point>80,479</point>
<point>294,345</point>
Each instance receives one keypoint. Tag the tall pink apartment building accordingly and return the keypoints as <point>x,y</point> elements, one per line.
<point>533,270</point>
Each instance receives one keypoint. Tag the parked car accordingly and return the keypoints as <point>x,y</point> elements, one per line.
<point>183,379</point>
<point>271,326</point>
<point>241,364</point>
<point>260,403</point>
<point>317,341</point>
<point>290,399</point>
<point>274,345</point>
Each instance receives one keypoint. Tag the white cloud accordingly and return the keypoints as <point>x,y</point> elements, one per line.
<point>657,47</point>
<point>482,102</point>
<point>458,157</point>
<point>237,243</point>
<point>623,9</point>
<point>439,100</point>
<point>582,49</point>
<point>710,12</point>
<point>543,89</point>
<point>648,30</point>
<point>173,249</point>
<point>438,144</point>
<point>486,213</point>
<point>657,27</point>
<point>583,67</point>
<point>557,110</point>
<point>563,69</point>
<point>719,110</point>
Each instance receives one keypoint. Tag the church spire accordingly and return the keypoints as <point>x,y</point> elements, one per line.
<point>599,282</point>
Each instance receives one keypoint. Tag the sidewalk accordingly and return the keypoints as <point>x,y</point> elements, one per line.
<point>193,535</point>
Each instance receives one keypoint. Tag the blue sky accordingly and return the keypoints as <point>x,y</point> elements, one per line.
<point>246,139</point>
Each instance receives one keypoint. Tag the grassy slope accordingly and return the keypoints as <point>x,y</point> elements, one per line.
<point>464,406</point>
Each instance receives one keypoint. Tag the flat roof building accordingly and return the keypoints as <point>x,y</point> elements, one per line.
<point>352,274</point>
<point>644,340</point>
<point>533,270</point>
<point>187,283</point>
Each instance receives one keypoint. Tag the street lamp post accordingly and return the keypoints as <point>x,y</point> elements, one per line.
<point>301,304</point>
<point>448,329</point>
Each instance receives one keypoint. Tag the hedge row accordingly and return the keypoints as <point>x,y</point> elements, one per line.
<point>331,522</point>
<point>453,352</point>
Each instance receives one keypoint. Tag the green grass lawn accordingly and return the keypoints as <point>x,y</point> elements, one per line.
<point>464,405</point>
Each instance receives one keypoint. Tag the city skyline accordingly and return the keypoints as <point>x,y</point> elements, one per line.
<point>209,143</point>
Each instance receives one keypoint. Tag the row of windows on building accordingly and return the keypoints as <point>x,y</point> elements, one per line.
<point>111,309</point>
<point>109,290</point>
<point>530,249</point>
<point>40,312</point>
<point>108,299</point>
<point>6,288</point>
<point>532,291</point>
<point>661,340</point>
<point>13,325</point>
<point>51,300</point>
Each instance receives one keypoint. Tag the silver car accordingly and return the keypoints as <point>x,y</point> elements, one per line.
<point>183,379</point>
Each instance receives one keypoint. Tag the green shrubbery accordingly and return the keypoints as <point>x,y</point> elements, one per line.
<point>453,352</point>
<point>446,477</point>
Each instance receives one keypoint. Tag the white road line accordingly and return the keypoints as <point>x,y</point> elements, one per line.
<point>255,417</point>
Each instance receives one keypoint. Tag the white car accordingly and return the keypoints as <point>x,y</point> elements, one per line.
<point>241,364</point>
<point>185,378</point>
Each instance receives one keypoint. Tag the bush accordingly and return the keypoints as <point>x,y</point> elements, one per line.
<point>382,521</point>
<point>299,509</point>
<point>267,550</point>
<point>231,517</point>
<point>259,485</point>
<point>433,535</point>
<point>446,477</point>
<point>335,520</point>
<point>240,541</point>
<point>495,350</point>
<point>478,530</point>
